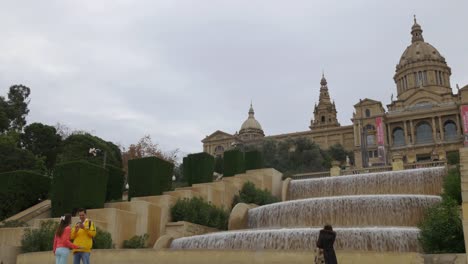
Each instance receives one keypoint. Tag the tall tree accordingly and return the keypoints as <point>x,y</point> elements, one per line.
<point>18,100</point>
<point>4,115</point>
<point>13,158</point>
<point>42,140</point>
<point>146,148</point>
<point>77,147</point>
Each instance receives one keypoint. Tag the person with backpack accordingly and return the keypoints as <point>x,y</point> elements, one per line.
<point>82,235</point>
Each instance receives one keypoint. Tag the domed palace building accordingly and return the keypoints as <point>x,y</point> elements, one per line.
<point>424,122</point>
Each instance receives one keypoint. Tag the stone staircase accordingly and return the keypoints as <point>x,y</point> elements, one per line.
<point>142,215</point>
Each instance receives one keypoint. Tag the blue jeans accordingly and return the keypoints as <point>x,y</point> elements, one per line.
<point>81,256</point>
<point>61,255</point>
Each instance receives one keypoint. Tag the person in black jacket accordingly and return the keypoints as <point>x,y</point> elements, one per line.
<point>325,242</point>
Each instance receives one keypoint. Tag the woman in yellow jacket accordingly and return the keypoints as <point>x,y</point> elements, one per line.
<point>82,235</point>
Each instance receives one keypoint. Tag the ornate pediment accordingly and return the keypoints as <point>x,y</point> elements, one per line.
<point>218,135</point>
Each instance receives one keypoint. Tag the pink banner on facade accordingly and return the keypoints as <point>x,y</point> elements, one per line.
<point>380,131</point>
<point>464,115</point>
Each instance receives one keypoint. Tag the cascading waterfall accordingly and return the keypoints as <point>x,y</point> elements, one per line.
<point>366,239</point>
<point>344,211</point>
<point>369,212</point>
<point>417,181</point>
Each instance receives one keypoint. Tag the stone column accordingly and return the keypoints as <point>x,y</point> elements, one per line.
<point>413,139</point>
<point>441,129</point>
<point>390,139</point>
<point>464,189</point>
<point>459,128</point>
<point>397,162</point>
<point>335,169</point>
<point>406,132</point>
<point>434,131</point>
<point>355,136</point>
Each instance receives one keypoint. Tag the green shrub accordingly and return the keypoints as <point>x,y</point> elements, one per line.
<point>250,194</point>
<point>13,223</point>
<point>253,160</point>
<point>115,183</point>
<point>233,162</point>
<point>198,168</point>
<point>452,186</point>
<point>20,190</point>
<point>78,184</point>
<point>102,240</point>
<point>197,211</point>
<point>149,176</point>
<point>136,242</point>
<point>442,230</point>
<point>453,157</point>
<point>40,239</point>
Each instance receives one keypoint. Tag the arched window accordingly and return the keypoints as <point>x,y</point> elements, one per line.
<point>323,119</point>
<point>367,113</point>
<point>219,149</point>
<point>450,130</point>
<point>398,137</point>
<point>370,134</point>
<point>423,133</point>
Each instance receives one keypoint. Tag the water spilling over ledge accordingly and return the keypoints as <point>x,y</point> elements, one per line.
<point>417,181</point>
<point>397,239</point>
<point>345,211</point>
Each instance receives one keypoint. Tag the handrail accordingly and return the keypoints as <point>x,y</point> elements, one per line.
<point>425,164</point>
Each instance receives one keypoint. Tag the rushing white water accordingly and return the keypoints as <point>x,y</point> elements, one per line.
<point>359,210</point>
<point>397,239</point>
<point>417,181</point>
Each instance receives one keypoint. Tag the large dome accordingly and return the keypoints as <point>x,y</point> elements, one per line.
<point>419,50</point>
<point>251,122</point>
<point>251,128</point>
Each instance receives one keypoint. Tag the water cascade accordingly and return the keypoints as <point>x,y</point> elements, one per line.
<point>367,239</point>
<point>362,210</point>
<point>369,212</point>
<point>417,181</point>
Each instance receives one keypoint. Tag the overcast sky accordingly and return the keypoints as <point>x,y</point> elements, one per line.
<point>180,70</point>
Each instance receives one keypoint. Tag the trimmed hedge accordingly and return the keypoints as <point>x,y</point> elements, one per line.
<point>115,183</point>
<point>198,168</point>
<point>253,160</point>
<point>219,165</point>
<point>78,184</point>
<point>149,176</point>
<point>233,162</point>
<point>20,190</point>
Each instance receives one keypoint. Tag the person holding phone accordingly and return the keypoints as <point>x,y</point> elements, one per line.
<point>82,235</point>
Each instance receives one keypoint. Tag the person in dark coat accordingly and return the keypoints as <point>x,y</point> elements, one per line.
<point>325,242</point>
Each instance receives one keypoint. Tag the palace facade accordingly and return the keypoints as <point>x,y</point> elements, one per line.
<point>424,121</point>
